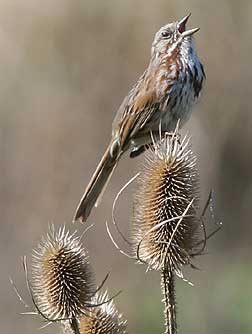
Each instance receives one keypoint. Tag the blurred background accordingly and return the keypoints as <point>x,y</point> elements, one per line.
<point>65,67</point>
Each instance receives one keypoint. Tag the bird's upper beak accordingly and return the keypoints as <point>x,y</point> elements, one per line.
<point>182,27</point>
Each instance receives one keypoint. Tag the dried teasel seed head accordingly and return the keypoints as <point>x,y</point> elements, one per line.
<point>62,280</point>
<point>103,319</point>
<point>164,218</point>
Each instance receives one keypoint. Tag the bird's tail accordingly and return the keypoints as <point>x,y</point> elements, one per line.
<point>97,184</point>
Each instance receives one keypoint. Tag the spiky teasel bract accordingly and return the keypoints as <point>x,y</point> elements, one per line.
<point>62,280</point>
<point>101,319</point>
<point>164,217</point>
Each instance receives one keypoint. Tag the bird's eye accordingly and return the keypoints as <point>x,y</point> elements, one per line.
<point>165,34</point>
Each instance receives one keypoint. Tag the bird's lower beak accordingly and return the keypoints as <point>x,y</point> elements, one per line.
<point>190,32</point>
<point>182,27</point>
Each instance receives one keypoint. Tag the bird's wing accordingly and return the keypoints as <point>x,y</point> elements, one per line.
<point>137,115</point>
<point>137,109</point>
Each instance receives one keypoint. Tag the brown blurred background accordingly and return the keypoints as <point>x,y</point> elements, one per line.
<point>65,66</point>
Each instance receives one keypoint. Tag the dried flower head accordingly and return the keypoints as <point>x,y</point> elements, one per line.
<point>103,319</point>
<point>62,280</point>
<point>164,215</point>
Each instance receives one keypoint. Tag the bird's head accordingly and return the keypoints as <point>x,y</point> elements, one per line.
<point>173,36</point>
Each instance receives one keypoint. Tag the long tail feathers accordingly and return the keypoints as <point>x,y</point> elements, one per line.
<point>97,185</point>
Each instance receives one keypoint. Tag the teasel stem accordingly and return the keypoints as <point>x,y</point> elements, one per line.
<point>165,221</point>
<point>75,326</point>
<point>169,300</point>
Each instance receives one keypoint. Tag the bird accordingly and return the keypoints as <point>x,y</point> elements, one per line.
<point>164,94</point>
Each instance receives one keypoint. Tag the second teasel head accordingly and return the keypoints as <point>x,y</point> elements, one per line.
<point>164,218</point>
<point>62,280</point>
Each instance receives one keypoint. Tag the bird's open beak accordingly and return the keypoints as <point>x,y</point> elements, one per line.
<point>182,27</point>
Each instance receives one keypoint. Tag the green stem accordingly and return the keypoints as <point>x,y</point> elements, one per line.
<point>168,289</point>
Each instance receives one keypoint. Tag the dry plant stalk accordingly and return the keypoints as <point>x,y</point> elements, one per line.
<point>165,218</point>
<point>165,237</point>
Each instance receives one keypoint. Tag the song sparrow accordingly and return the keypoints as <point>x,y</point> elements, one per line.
<point>164,94</point>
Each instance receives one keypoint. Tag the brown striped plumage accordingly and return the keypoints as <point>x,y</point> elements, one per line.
<point>164,95</point>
